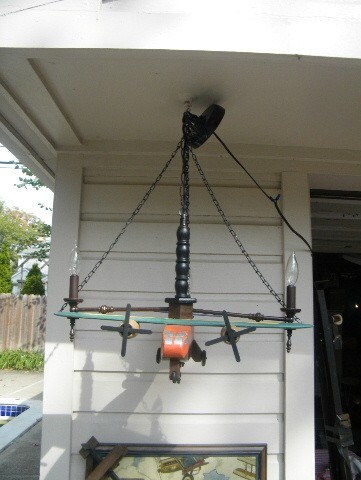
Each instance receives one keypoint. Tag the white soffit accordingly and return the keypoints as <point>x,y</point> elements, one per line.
<point>73,99</point>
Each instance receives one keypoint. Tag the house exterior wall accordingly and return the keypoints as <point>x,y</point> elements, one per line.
<point>89,389</point>
<point>267,398</point>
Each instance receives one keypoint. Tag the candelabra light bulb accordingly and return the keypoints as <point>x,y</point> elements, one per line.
<point>291,270</point>
<point>74,261</point>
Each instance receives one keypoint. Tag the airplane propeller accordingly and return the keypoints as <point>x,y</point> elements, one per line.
<point>230,336</point>
<point>126,330</point>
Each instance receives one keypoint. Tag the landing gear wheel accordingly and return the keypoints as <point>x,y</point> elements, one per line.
<point>203,358</point>
<point>175,379</point>
<point>188,476</point>
<point>158,358</point>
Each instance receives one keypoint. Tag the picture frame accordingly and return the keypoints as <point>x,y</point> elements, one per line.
<point>190,462</point>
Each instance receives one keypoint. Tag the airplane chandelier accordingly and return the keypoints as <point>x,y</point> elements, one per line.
<point>178,342</point>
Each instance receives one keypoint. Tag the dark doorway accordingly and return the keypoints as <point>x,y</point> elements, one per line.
<point>342,274</point>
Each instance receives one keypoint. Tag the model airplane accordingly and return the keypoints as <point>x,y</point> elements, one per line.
<point>188,465</point>
<point>178,343</point>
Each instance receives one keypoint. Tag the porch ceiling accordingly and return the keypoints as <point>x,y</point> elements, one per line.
<point>74,98</point>
<point>53,100</point>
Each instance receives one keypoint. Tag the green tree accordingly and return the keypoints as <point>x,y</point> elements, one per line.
<point>33,283</point>
<point>21,231</point>
<point>6,270</point>
<point>29,180</point>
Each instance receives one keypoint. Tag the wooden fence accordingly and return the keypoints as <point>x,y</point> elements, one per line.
<point>22,322</point>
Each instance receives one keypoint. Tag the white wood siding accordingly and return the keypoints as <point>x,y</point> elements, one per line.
<point>132,399</point>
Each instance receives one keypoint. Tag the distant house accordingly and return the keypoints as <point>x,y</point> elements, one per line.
<point>92,95</point>
<point>24,265</point>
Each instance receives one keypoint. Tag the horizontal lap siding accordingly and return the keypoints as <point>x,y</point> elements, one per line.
<point>101,353</point>
<point>179,429</point>
<point>131,399</point>
<point>155,273</point>
<point>205,239</point>
<point>107,199</point>
<point>140,392</point>
<point>131,172</point>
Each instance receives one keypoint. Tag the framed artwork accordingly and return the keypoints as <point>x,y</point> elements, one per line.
<point>207,462</point>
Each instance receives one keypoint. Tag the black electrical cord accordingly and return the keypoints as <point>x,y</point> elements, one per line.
<point>273,200</point>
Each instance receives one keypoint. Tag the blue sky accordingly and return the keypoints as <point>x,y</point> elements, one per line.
<point>24,199</point>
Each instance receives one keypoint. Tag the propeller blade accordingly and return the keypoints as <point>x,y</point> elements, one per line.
<point>216,340</point>
<point>112,329</point>
<point>235,335</point>
<point>131,330</point>
<point>231,336</point>
<point>244,331</point>
<point>125,330</point>
<point>141,330</point>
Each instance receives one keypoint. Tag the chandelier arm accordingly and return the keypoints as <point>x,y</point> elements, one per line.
<point>130,219</point>
<point>234,235</point>
<point>258,317</point>
<point>123,309</point>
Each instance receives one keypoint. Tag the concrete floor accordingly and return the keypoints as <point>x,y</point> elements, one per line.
<point>21,385</point>
<point>21,460</point>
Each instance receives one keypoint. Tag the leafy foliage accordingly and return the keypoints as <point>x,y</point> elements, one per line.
<point>21,360</point>
<point>6,270</point>
<point>33,283</point>
<point>29,180</point>
<point>21,231</point>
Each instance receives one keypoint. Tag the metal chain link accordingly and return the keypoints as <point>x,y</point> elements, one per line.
<point>234,235</point>
<point>130,219</point>
<point>185,181</point>
<point>63,306</point>
<point>185,166</point>
<point>185,199</point>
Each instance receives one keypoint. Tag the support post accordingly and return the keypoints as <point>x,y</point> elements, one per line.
<point>59,365</point>
<point>299,363</point>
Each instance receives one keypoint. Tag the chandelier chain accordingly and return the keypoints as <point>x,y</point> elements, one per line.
<point>185,169</point>
<point>185,198</point>
<point>185,181</point>
<point>234,235</point>
<point>130,219</point>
